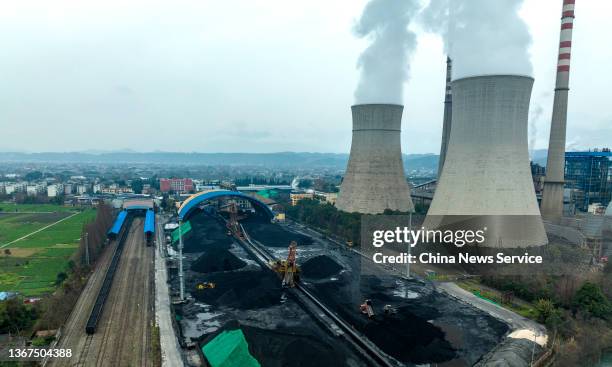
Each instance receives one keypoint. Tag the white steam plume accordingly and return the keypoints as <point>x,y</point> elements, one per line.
<point>481,36</point>
<point>384,64</point>
<point>536,114</point>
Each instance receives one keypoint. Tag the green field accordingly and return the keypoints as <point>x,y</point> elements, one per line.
<point>17,225</point>
<point>30,265</point>
<point>45,208</point>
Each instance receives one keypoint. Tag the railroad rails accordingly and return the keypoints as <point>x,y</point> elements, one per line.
<point>361,343</point>
<point>98,308</point>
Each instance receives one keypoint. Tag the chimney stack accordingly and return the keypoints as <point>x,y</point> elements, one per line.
<point>448,113</point>
<point>552,200</point>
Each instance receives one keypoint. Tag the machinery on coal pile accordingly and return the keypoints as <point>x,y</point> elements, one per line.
<point>288,269</point>
<point>389,310</point>
<point>205,285</point>
<point>233,227</point>
<point>367,309</point>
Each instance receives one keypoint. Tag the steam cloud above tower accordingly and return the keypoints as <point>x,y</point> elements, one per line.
<point>384,64</point>
<point>481,36</point>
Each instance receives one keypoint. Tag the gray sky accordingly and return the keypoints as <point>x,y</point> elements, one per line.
<point>248,75</point>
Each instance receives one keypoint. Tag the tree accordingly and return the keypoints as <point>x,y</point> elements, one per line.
<point>305,183</point>
<point>591,300</point>
<point>33,176</point>
<point>547,313</point>
<point>15,316</point>
<point>137,186</point>
<point>60,278</point>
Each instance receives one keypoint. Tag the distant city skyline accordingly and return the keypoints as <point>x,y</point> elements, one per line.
<point>248,76</point>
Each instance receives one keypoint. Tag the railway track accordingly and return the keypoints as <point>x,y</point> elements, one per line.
<point>122,331</point>
<point>85,351</point>
<point>361,343</point>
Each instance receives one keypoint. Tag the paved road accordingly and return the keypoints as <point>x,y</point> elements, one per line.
<point>522,327</point>
<point>170,349</point>
<point>123,337</point>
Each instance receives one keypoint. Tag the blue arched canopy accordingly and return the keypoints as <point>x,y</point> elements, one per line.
<point>193,201</point>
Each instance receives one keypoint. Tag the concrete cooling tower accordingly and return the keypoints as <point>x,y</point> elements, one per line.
<point>486,181</point>
<point>374,179</point>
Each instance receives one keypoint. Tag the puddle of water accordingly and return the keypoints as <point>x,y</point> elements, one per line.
<point>402,291</point>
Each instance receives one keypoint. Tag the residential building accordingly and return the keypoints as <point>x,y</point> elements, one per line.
<point>297,196</point>
<point>35,189</point>
<point>81,189</point>
<point>55,190</point>
<point>176,184</point>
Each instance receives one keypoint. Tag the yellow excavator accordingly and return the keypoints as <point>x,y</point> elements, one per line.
<point>205,285</point>
<point>288,269</point>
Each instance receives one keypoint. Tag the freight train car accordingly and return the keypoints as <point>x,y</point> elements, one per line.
<point>96,312</point>
<point>149,227</point>
<point>114,231</point>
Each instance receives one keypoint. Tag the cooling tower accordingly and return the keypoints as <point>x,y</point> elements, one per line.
<point>552,198</point>
<point>374,179</point>
<point>486,181</point>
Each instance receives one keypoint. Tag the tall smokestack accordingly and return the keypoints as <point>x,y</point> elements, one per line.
<point>448,113</point>
<point>552,200</point>
<point>486,181</point>
<point>374,179</point>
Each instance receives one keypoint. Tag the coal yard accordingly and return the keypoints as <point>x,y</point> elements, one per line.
<point>249,297</point>
<point>232,288</point>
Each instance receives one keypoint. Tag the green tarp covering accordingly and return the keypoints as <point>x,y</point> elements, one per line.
<point>229,349</point>
<point>185,227</point>
<point>268,194</point>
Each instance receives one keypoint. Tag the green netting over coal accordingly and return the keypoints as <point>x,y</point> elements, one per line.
<point>185,228</point>
<point>229,349</point>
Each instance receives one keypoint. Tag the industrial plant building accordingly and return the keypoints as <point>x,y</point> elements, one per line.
<point>589,176</point>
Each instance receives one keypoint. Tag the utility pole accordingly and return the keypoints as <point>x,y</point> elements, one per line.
<point>535,335</point>
<point>87,248</point>
<point>181,275</point>
<point>409,247</point>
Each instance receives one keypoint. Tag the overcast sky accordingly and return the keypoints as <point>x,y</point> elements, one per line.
<point>249,75</point>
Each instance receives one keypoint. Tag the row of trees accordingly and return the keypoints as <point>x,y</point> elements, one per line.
<point>328,218</point>
<point>576,309</point>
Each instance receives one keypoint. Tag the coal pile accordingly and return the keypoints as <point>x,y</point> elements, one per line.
<point>273,235</point>
<point>217,259</point>
<point>241,289</point>
<point>206,232</point>
<point>291,347</point>
<point>409,338</point>
<point>320,267</point>
<point>406,335</point>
